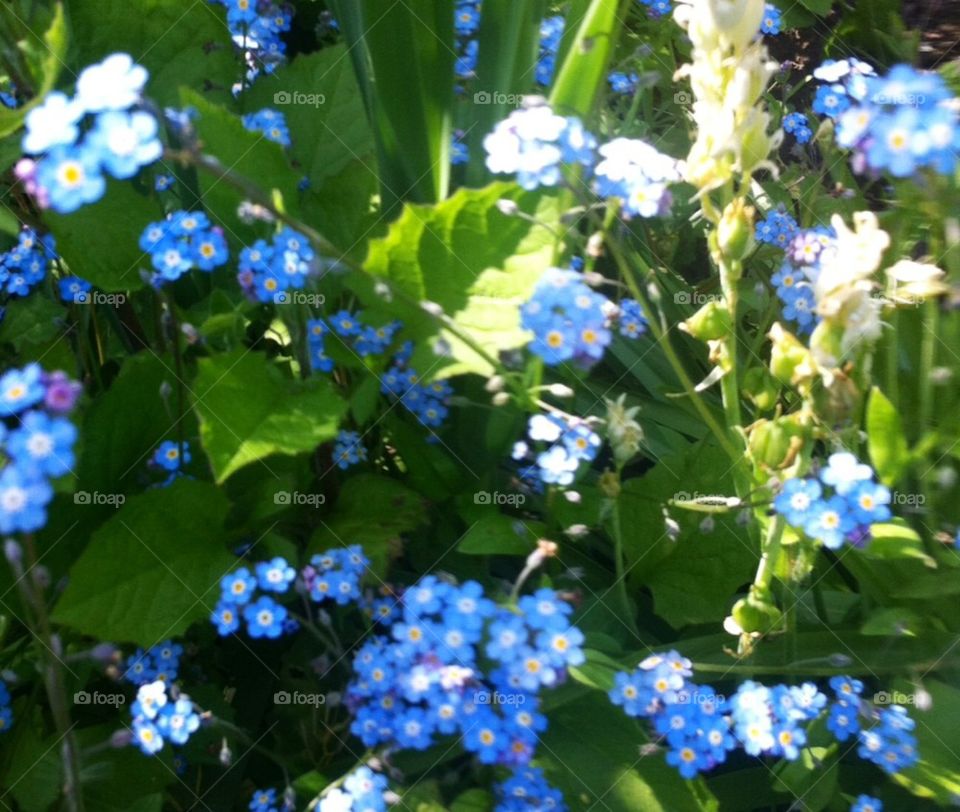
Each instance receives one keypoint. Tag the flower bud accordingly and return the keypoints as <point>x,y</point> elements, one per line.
<point>760,387</point>
<point>790,361</point>
<point>735,230</point>
<point>710,322</point>
<point>756,612</point>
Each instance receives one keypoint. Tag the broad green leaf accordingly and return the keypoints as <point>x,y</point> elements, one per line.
<point>32,321</point>
<point>892,540</point>
<point>318,95</point>
<point>597,671</point>
<point>249,409</point>
<point>591,751</point>
<point>473,800</point>
<point>476,263</point>
<point>937,774</point>
<point>584,69</point>
<point>371,511</point>
<point>100,242</point>
<point>51,55</point>
<point>509,39</point>
<point>152,569</point>
<point>496,534</point>
<point>812,777</point>
<point>126,423</point>
<point>694,578</point>
<point>181,44</point>
<point>818,7</point>
<point>408,90</point>
<point>885,438</point>
<point>240,152</point>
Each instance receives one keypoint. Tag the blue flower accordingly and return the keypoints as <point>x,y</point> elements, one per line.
<point>622,82</point>
<point>844,472</point>
<point>798,499</point>
<point>796,124</point>
<point>271,124</point>
<point>866,803</point>
<point>263,800</point>
<point>633,323</point>
<point>73,289</point>
<point>637,174</point>
<point>870,501</point>
<point>23,500</point>
<point>831,100</point>
<point>70,178</point>
<point>829,522</point>
<point>147,736</point>
<point>178,720</point>
<point>209,250</point>
<point>125,142</point>
<point>275,575</point>
<point>167,456</point>
<point>20,389</point>
<point>226,618</point>
<point>237,587</point>
<point>43,445</point>
<point>265,618</point>
<point>843,720</point>
<point>770,23</point>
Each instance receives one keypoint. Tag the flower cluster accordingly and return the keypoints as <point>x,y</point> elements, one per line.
<point>37,448</point>
<point>700,727</point>
<point>841,83</point>
<point>268,270</point>
<point>363,339</point>
<point>6,712</point>
<point>25,265</point>
<point>623,83</point>
<point>183,241</point>
<point>568,443</point>
<point>845,516</point>
<point>900,123</point>
<point>427,677</point>
<point>336,575</point>
<point>271,124</point>
<point>427,402</point>
<point>534,143</point>
<point>866,803</point>
<point>459,151</point>
<point>264,616</point>
<point>256,28</point>
<point>797,125</point>
<point>161,714</point>
<point>362,791</point>
<point>778,228</point>
<point>889,742</point>
<point>633,323</point>
<point>264,800</point>
<point>527,790</point>
<point>569,321</point>
<point>551,32</point>
<point>794,281</point>
<point>160,662</point>
<point>119,141</point>
<point>348,450</point>
<point>689,715</point>
<point>636,174</point>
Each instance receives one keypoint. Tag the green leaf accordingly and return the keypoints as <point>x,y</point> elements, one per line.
<point>99,242</point>
<point>125,424</point>
<point>472,800</point>
<point>372,511</point>
<point>181,44</point>
<point>53,54</point>
<point>476,263</point>
<point>812,777</point>
<point>893,540</point>
<point>495,534</point>
<point>694,578</point>
<point>885,438</point>
<point>152,569</point>
<point>318,95</point>
<point>241,152</point>
<point>818,7</point>
<point>32,321</point>
<point>408,91</point>
<point>591,751</point>
<point>937,774</point>
<point>597,671</point>
<point>249,410</point>
<point>584,68</point>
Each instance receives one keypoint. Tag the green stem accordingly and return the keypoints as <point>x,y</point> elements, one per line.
<point>620,567</point>
<point>770,552</point>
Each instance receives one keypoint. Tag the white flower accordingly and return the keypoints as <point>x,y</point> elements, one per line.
<point>855,256</point>
<point>114,84</point>
<point>543,428</point>
<point>53,123</point>
<point>151,697</point>
<point>913,281</point>
<point>336,801</point>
